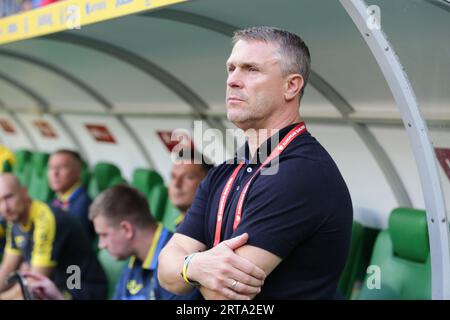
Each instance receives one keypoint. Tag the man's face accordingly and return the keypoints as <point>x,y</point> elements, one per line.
<point>63,172</point>
<point>112,238</point>
<point>13,201</point>
<point>255,84</point>
<point>184,181</point>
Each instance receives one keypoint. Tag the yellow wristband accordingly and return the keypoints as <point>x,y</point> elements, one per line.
<point>187,259</point>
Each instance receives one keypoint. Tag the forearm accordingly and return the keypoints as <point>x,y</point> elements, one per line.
<point>5,271</point>
<point>170,265</point>
<point>14,293</point>
<point>3,277</point>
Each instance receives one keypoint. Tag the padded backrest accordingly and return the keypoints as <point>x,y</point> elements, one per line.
<point>171,214</point>
<point>353,263</point>
<point>113,269</point>
<point>409,234</point>
<point>23,157</point>
<point>103,176</point>
<point>362,243</point>
<point>157,199</point>
<point>7,167</point>
<point>85,174</point>
<point>22,168</point>
<point>39,162</point>
<point>145,179</point>
<point>402,255</point>
<point>38,187</point>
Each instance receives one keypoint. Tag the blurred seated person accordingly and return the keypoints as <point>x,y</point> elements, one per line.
<point>64,177</point>
<point>134,283</point>
<point>48,242</point>
<point>187,172</point>
<point>127,230</point>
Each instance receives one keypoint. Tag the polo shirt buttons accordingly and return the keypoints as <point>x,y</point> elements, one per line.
<point>249,170</point>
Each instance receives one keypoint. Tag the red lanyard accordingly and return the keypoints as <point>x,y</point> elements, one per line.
<point>298,130</point>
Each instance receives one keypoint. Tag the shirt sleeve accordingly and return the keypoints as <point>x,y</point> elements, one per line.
<point>194,223</point>
<point>11,245</point>
<point>283,210</point>
<point>44,238</point>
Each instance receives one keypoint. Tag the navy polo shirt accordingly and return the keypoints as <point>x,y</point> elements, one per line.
<point>302,214</point>
<point>77,205</point>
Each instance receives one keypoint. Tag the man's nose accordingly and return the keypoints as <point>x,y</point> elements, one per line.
<point>178,183</point>
<point>234,80</point>
<point>101,244</point>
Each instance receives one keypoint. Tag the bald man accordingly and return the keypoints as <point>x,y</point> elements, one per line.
<point>46,242</point>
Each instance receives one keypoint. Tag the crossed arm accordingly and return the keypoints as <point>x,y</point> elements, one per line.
<point>216,269</point>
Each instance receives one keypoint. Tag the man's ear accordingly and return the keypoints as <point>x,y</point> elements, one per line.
<point>294,84</point>
<point>127,228</point>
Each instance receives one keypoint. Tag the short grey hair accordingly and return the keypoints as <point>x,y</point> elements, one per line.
<point>294,53</point>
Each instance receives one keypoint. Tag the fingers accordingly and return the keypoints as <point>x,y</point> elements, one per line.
<point>242,288</point>
<point>230,294</point>
<point>239,262</point>
<point>246,267</point>
<point>236,242</point>
<point>37,293</point>
<point>242,277</point>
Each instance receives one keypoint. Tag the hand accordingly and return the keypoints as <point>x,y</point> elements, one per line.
<point>41,287</point>
<point>224,274</point>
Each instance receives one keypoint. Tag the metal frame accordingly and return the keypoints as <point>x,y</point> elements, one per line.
<point>192,99</point>
<point>41,102</point>
<point>417,131</point>
<point>4,107</point>
<point>27,91</point>
<point>439,4</point>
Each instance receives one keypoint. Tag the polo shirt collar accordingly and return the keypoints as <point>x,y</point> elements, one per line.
<point>66,195</point>
<point>264,150</point>
<point>151,259</point>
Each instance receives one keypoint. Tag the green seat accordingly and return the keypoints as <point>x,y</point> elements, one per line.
<point>352,266</point>
<point>22,168</point>
<point>113,269</point>
<point>170,218</point>
<point>38,187</point>
<point>363,239</point>
<point>402,254</point>
<point>85,174</point>
<point>103,176</point>
<point>7,166</point>
<point>145,179</point>
<point>157,199</point>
